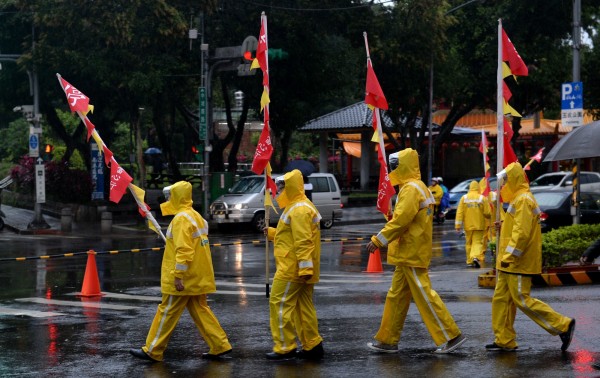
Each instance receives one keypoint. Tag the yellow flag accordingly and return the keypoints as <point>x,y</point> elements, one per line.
<point>255,64</point>
<point>264,99</point>
<point>268,198</point>
<point>375,138</point>
<point>98,141</point>
<point>506,71</point>
<point>90,109</point>
<point>510,110</point>
<point>139,194</point>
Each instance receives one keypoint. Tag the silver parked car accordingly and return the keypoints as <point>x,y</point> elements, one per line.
<point>245,202</point>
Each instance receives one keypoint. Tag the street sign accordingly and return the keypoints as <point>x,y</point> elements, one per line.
<point>97,173</point>
<point>202,113</point>
<point>40,182</point>
<point>34,145</point>
<point>572,104</point>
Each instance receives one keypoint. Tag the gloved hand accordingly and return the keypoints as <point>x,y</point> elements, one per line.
<point>504,264</point>
<point>306,277</point>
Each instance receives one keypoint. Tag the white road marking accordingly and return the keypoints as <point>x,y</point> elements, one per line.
<point>56,302</point>
<point>30,313</point>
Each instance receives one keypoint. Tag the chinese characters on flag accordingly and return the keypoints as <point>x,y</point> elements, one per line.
<point>119,180</point>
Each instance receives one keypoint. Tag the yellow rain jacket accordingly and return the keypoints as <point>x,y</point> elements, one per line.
<point>187,253</point>
<point>297,238</point>
<point>473,210</point>
<point>520,236</point>
<point>409,231</point>
<point>438,192</point>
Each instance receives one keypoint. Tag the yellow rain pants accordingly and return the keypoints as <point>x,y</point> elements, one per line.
<point>475,245</point>
<point>291,307</point>
<point>413,283</point>
<point>512,291</point>
<point>167,316</point>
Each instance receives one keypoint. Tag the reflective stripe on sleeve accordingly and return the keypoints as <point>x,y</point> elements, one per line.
<point>181,267</point>
<point>305,264</point>
<point>382,239</point>
<point>514,251</point>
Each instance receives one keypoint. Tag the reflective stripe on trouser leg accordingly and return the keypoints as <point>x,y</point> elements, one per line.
<point>305,319</point>
<point>468,245</point>
<point>538,311</point>
<point>477,247</point>
<point>165,320</point>
<point>504,312</point>
<point>208,325</point>
<point>395,309</point>
<point>282,304</point>
<point>436,316</point>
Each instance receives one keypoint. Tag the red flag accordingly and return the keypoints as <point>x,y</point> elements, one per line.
<point>107,154</point>
<point>508,131</point>
<point>509,153</point>
<point>510,55</point>
<point>119,180</point>
<point>506,93</point>
<point>90,127</point>
<point>538,156</point>
<point>385,190</point>
<point>262,50</point>
<point>264,150</point>
<point>374,94</point>
<point>78,102</point>
<point>271,185</point>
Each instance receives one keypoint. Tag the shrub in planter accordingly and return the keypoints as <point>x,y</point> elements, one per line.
<point>567,243</point>
<point>63,184</point>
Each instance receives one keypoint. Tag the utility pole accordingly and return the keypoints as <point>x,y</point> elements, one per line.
<point>576,78</point>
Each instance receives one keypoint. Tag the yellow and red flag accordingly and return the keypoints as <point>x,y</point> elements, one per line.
<point>375,100</point>
<point>483,148</point>
<point>510,55</point>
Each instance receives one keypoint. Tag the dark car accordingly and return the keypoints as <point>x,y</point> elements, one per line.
<point>556,208</point>
<point>460,190</point>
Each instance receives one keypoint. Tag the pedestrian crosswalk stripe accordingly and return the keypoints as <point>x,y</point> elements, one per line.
<point>56,302</point>
<point>30,313</point>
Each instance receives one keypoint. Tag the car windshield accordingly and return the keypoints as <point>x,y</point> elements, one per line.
<point>550,180</point>
<point>463,186</point>
<point>248,185</point>
<point>548,199</point>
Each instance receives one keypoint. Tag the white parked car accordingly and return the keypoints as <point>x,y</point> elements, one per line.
<point>563,181</point>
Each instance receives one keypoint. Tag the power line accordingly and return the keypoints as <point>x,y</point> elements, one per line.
<point>367,5</point>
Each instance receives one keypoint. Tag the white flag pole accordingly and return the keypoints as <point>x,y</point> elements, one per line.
<point>500,123</point>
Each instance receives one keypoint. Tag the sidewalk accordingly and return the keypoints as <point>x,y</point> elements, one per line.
<point>18,220</point>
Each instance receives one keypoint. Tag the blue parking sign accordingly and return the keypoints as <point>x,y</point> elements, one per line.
<point>572,96</point>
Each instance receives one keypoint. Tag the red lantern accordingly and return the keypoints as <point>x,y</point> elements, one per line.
<point>466,144</point>
<point>454,145</point>
<point>444,145</point>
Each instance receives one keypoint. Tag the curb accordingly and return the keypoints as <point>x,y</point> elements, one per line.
<point>585,276</point>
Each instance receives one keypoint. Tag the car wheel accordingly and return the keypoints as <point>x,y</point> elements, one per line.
<point>258,222</point>
<point>327,224</point>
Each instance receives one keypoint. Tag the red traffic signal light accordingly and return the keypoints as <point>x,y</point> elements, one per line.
<point>195,150</point>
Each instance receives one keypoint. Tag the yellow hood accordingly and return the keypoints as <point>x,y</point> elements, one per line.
<point>474,186</point>
<point>407,169</point>
<point>181,198</point>
<point>515,182</point>
<point>294,189</point>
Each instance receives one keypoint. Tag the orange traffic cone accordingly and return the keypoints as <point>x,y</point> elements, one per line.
<point>374,265</point>
<point>91,282</point>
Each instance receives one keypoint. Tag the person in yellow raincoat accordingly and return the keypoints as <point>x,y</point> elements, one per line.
<point>437,191</point>
<point>472,215</point>
<point>408,236</point>
<point>519,257</point>
<point>186,277</point>
<point>297,249</point>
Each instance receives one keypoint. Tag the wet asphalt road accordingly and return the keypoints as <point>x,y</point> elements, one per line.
<point>45,330</point>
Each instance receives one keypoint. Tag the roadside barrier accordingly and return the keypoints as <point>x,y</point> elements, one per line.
<point>156,249</point>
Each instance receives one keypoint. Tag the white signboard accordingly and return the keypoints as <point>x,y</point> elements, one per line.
<point>572,104</point>
<point>40,182</point>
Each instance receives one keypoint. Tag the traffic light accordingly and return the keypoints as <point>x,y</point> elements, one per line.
<point>48,148</point>
<point>277,54</point>
<point>197,150</point>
